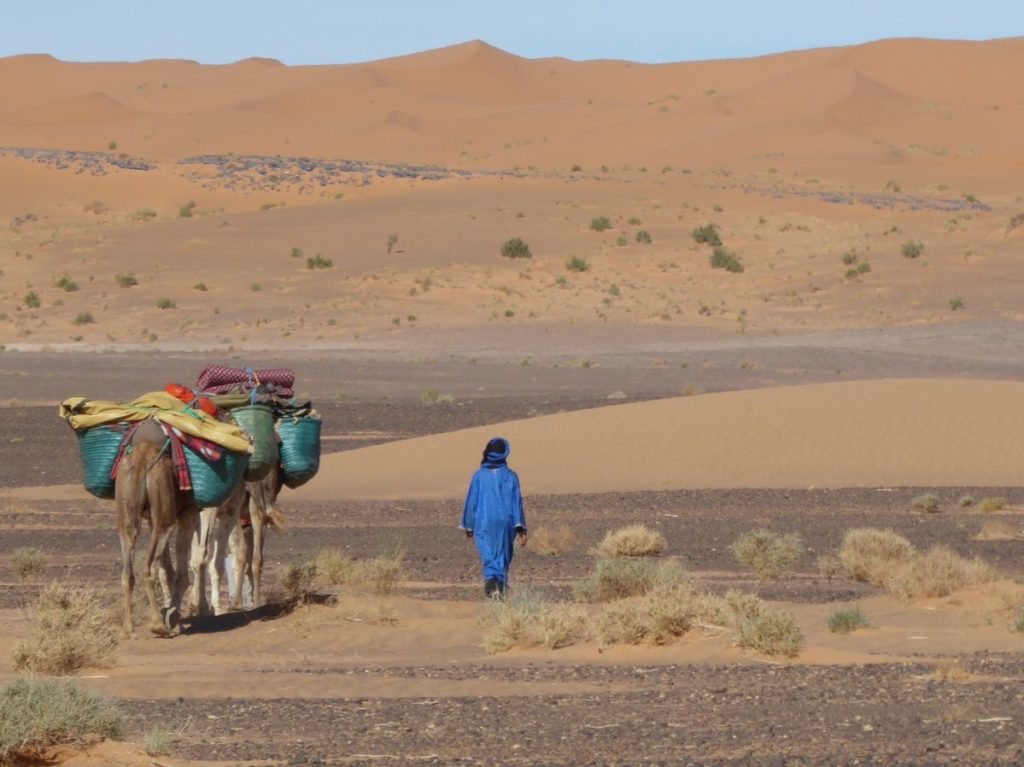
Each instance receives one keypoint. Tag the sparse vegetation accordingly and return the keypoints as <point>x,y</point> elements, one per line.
<point>297,252</point>
<point>515,248</point>
<point>550,541</point>
<point>707,235</point>
<point>392,241</point>
<point>158,742</point>
<point>32,300</point>
<point>126,280</point>
<point>643,237</point>
<point>850,257</point>
<point>318,262</point>
<point>187,210</point>
<point>873,555</point>
<point>165,303</point>
<point>938,573</point>
<point>144,215</point>
<point>956,304</point>
<point>965,501</point>
<point>912,248</point>
<point>926,503</point>
<point>72,631</point>
<point>723,258</point>
<point>83,318</point>
<point>380,574</point>
<point>37,714</point>
<point>768,554</point>
<point>829,566</point>
<point>621,577</point>
<point>200,286</point>
<point>27,562</point>
<point>846,621</point>
<point>989,505</point>
<point>525,619</point>
<point>631,541</point>
<point>296,579</point>
<point>434,397</point>
<point>577,264</point>
<point>600,223</point>
<point>67,284</point>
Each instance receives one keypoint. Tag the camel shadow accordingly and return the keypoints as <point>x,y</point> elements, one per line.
<point>230,621</point>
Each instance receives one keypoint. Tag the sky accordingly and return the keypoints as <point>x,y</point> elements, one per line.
<point>342,31</point>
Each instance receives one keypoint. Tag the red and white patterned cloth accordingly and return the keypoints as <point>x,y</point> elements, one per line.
<point>220,379</point>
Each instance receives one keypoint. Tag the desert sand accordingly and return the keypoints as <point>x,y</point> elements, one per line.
<point>348,221</point>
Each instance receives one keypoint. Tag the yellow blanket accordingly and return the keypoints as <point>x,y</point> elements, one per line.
<point>82,413</point>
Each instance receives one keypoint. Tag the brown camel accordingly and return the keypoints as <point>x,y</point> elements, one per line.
<point>145,488</point>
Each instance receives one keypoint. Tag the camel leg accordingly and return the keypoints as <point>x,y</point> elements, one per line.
<point>258,531</point>
<point>128,533</point>
<point>187,523</point>
<point>238,553</point>
<point>199,561</point>
<point>155,556</point>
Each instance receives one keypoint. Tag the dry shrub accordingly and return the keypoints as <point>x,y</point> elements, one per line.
<point>380,574</point>
<point>73,630</point>
<point>295,579</point>
<point>632,541</point>
<point>873,555</point>
<point>36,714</point>
<point>989,505</point>
<point>622,577</point>
<point>761,628</point>
<point>27,562</point>
<point>525,619</point>
<point>549,541</point>
<point>337,568</point>
<point>845,621</point>
<point>938,573</point>
<point>998,530</point>
<point>927,503</point>
<point>657,617</point>
<point>768,554</point>
<point>829,566</point>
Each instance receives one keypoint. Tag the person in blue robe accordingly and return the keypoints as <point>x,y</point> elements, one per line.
<point>493,515</point>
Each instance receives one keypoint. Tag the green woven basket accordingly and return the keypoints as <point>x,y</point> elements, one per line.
<point>213,481</point>
<point>98,447</point>
<point>258,420</point>
<point>300,449</point>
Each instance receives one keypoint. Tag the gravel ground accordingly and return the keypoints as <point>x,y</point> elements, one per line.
<point>756,714</point>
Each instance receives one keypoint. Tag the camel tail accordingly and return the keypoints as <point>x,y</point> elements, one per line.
<point>132,487</point>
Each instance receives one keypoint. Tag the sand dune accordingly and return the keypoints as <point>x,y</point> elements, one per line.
<point>860,434</point>
<point>816,166</point>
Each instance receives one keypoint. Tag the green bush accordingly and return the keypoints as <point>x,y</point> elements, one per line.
<point>988,505</point>
<point>318,262</point>
<point>515,248</point>
<point>912,248</point>
<point>577,264</point>
<point>643,237</point>
<point>67,284</point>
<point>126,280</point>
<point>165,303</point>
<point>83,318</point>
<point>845,621</point>
<point>927,503</point>
<point>32,300</point>
<point>186,210</point>
<point>723,258</point>
<point>955,304</point>
<point>600,223</point>
<point>36,714</point>
<point>707,235</point>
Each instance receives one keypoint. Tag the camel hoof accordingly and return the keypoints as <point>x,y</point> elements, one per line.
<point>172,619</point>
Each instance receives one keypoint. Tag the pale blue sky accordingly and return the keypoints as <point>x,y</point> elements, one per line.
<point>341,31</point>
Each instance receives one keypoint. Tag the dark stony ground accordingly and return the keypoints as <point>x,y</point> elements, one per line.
<point>755,714</point>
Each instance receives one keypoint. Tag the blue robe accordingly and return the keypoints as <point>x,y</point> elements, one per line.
<point>493,511</point>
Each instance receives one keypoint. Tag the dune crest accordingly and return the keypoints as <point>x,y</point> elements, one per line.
<point>930,433</point>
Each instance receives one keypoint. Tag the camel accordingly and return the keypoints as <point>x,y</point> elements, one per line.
<point>243,543</point>
<point>145,488</point>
